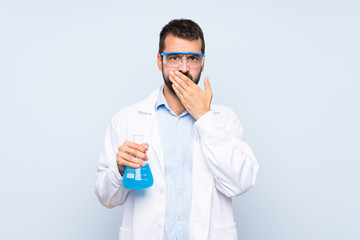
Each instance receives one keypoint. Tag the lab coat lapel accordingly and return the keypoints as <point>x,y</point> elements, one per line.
<point>148,122</point>
<point>151,132</point>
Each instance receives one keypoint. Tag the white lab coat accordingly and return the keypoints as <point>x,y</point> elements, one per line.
<point>224,166</point>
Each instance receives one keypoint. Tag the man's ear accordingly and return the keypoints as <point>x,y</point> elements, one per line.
<point>159,61</point>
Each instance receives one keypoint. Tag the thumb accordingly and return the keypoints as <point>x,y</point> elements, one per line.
<point>207,87</point>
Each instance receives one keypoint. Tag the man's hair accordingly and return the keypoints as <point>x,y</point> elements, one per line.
<point>182,28</point>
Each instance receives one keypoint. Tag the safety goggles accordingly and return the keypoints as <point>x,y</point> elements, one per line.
<point>176,59</point>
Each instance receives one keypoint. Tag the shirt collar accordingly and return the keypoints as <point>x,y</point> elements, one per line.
<point>160,101</point>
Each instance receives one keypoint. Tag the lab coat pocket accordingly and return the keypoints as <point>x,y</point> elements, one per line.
<point>125,234</point>
<point>223,232</point>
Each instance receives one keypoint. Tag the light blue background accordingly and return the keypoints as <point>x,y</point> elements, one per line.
<point>289,69</point>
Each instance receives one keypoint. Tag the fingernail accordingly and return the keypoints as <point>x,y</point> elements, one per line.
<point>171,72</point>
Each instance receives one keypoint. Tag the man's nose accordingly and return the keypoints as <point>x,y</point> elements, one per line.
<point>184,66</point>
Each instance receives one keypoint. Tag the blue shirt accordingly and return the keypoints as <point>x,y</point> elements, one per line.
<point>177,141</point>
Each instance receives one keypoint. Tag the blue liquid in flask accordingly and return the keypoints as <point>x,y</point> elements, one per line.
<point>138,178</point>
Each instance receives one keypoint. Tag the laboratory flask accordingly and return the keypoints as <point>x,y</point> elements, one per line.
<point>138,178</point>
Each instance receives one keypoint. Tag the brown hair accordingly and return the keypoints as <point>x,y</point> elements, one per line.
<point>182,28</point>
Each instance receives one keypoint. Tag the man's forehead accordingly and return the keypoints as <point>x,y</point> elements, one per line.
<point>177,44</point>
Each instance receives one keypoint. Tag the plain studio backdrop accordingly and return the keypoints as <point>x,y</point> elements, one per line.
<point>289,69</point>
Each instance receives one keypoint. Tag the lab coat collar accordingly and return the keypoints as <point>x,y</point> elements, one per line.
<point>148,104</point>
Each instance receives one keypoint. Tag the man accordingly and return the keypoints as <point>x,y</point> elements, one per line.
<point>195,150</point>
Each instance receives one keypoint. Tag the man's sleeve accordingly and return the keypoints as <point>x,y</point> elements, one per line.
<point>108,184</point>
<point>229,157</point>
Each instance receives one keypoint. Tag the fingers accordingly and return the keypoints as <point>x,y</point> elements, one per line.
<point>139,147</point>
<point>179,92</point>
<point>132,155</point>
<point>181,85</point>
<point>135,150</point>
<point>146,145</point>
<point>186,83</point>
<point>180,76</point>
<point>124,159</point>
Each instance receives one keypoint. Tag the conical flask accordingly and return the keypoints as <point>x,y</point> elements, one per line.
<point>138,178</point>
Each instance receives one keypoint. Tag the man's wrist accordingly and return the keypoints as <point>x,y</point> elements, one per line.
<point>197,117</point>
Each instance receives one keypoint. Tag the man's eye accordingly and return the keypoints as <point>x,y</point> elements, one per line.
<point>193,58</point>
<point>172,57</point>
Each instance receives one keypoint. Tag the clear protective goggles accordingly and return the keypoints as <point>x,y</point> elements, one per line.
<point>176,59</point>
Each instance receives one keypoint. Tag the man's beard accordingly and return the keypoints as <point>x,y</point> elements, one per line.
<point>169,83</point>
